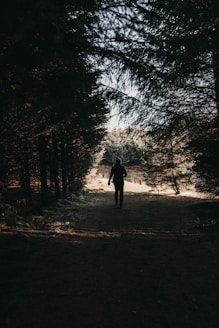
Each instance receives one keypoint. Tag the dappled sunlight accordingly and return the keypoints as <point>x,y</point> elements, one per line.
<point>92,214</point>
<point>101,184</point>
<point>74,234</point>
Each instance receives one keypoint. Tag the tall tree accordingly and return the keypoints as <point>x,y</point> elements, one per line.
<point>170,48</point>
<point>48,89</point>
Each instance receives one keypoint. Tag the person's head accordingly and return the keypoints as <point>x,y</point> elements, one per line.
<point>117,160</point>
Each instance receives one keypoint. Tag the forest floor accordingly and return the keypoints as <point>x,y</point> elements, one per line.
<point>85,263</point>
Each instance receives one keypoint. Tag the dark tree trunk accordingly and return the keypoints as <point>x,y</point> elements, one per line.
<point>175,183</point>
<point>51,171</point>
<point>173,171</point>
<point>26,177</point>
<point>2,164</point>
<point>215,42</point>
<point>63,164</point>
<point>43,170</point>
<point>55,165</point>
<point>2,174</point>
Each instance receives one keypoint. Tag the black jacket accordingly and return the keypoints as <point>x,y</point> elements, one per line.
<point>118,172</point>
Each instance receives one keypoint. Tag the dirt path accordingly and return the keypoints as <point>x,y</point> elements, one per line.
<point>140,266</point>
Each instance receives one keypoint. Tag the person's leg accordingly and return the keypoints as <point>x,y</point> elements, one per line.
<point>116,196</point>
<point>121,197</point>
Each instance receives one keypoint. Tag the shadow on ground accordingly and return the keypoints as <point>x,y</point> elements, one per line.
<point>147,265</point>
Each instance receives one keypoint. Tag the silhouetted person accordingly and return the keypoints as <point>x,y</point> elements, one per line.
<point>118,173</point>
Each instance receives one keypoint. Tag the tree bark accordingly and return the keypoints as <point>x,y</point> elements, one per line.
<point>26,177</point>
<point>216,62</point>
<point>63,164</point>
<point>55,164</point>
<point>43,170</point>
<point>173,171</point>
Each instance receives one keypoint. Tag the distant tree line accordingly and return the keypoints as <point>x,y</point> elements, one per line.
<point>163,158</point>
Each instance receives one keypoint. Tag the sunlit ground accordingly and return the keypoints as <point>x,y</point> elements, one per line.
<point>68,215</point>
<point>101,184</point>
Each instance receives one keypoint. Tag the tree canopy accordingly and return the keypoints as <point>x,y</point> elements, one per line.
<point>52,113</point>
<point>170,51</point>
<point>53,56</point>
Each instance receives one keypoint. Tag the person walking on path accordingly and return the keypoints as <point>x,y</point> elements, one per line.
<point>118,173</point>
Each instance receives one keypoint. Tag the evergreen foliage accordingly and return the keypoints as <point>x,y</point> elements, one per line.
<point>170,49</point>
<point>205,143</point>
<point>52,113</point>
<point>122,144</point>
<point>162,155</point>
